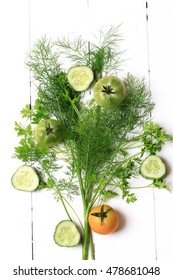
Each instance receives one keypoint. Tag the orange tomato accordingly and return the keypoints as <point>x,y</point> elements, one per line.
<point>103,219</point>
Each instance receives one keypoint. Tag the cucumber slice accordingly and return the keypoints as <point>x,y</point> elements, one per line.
<point>153,167</point>
<point>25,179</point>
<point>80,77</point>
<point>66,234</point>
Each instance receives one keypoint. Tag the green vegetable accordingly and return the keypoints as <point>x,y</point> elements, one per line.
<point>102,149</point>
<point>66,234</point>
<point>153,167</point>
<point>25,179</point>
<point>109,92</point>
<point>48,133</point>
<point>80,77</point>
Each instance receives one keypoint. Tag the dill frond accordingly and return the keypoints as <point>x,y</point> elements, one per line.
<point>55,95</point>
<point>75,50</point>
<point>103,57</point>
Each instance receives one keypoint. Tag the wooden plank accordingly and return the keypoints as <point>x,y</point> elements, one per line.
<point>67,18</point>
<point>15,211</point>
<point>138,229</point>
<point>161,56</point>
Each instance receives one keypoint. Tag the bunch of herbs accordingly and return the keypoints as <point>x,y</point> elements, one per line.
<point>102,148</point>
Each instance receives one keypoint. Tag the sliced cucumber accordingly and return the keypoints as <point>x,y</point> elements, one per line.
<point>80,77</point>
<point>25,179</point>
<point>66,234</point>
<point>153,167</point>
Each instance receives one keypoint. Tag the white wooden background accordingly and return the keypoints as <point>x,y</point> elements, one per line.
<point>147,225</point>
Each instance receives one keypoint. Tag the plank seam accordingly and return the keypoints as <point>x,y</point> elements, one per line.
<point>30,103</point>
<point>149,85</point>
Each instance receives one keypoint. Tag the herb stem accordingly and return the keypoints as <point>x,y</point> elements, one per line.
<point>127,159</point>
<point>65,208</point>
<point>59,194</point>
<point>92,250</point>
<point>75,109</point>
<point>132,146</point>
<point>86,240</point>
<point>74,212</point>
<point>142,187</point>
<point>81,188</point>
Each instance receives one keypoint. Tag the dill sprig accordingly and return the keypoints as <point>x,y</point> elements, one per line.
<point>55,96</point>
<point>43,61</point>
<point>103,57</point>
<point>75,50</point>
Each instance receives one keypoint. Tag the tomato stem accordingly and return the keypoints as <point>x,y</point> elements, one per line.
<point>49,129</point>
<point>108,89</point>
<point>102,214</point>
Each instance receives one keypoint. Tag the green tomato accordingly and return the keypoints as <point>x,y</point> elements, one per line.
<point>48,133</point>
<point>109,92</point>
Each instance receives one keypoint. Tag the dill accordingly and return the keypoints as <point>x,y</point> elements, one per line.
<point>103,57</point>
